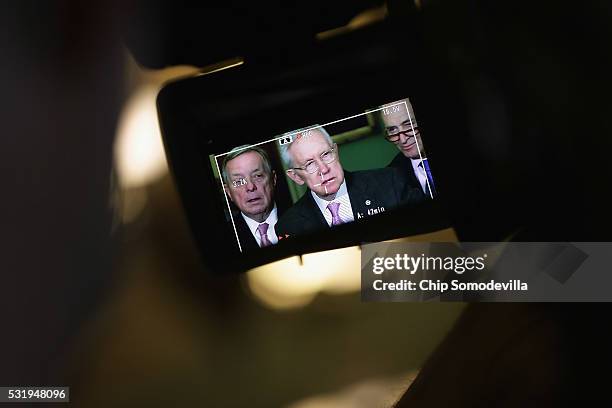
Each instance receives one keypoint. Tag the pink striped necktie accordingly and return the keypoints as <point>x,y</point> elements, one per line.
<point>263,234</point>
<point>334,210</point>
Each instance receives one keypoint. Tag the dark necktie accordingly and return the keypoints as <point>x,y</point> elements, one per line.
<point>425,165</point>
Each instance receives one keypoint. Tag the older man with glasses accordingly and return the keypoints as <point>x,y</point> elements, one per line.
<point>335,196</point>
<point>403,131</point>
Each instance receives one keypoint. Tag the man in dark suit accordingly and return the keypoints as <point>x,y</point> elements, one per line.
<point>402,129</point>
<point>249,182</point>
<point>335,197</point>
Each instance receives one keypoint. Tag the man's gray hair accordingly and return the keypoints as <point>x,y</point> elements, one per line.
<point>284,149</point>
<point>237,151</point>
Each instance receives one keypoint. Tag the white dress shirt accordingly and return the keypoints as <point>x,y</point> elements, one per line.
<point>271,220</point>
<point>345,211</point>
<point>421,174</point>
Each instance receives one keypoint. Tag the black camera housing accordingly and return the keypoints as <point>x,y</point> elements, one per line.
<point>339,77</point>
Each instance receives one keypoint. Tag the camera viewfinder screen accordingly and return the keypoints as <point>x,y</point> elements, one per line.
<point>317,178</point>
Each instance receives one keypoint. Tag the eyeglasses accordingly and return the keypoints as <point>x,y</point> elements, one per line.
<point>257,178</point>
<point>311,167</point>
<point>395,137</point>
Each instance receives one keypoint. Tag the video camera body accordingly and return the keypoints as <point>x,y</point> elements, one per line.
<point>345,87</point>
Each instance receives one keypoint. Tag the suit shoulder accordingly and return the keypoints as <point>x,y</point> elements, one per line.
<point>298,207</point>
<point>298,219</point>
<point>401,163</point>
<point>376,175</point>
<point>296,211</point>
<point>398,161</point>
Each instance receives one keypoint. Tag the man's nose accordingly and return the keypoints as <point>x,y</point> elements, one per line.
<point>250,186</point>
<point>323,168</point>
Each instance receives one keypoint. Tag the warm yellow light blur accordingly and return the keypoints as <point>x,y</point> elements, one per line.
<point>139,154</point>
<point>287,284</point>
<point>373,392</point>
<point>132,204</point>
<point>139,151</point>
<point>445,235</point>
<point>282,284</point>
<point>340,269</point>
<point>363,19</point>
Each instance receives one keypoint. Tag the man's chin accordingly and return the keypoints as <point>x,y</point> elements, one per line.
<point>256,210</point>
<point>411,154</point>
<point>331,189</point>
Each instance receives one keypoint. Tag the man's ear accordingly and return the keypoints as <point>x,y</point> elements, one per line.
<point>295,177</point>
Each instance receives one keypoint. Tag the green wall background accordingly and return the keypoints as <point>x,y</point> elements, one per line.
<point>370,152</point>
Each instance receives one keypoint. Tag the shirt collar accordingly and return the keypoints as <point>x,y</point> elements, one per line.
<point>342,191</point>
<point>416,162</point>
<point>271,220</point>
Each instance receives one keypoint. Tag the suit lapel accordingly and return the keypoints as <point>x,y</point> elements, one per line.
<point>312,210</point>
<point>358,194</point>
<point>414,180</point>
<point>404,164</point>
<point>247,240</point>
